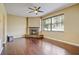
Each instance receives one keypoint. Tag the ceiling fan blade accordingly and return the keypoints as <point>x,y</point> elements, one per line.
<point>40,11</point>
<point>30,11</point>
<point>39,7</point>
<point>31,8</point>
<point>36,13</point>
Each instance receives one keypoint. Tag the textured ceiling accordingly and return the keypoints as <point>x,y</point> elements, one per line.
<point>21,9</point>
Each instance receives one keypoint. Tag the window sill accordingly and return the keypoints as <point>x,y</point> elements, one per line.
<point>54,30</point>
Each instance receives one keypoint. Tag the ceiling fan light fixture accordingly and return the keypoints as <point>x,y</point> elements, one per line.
<point>36,11</point>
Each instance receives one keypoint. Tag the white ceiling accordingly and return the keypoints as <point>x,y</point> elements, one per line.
<point>21,9</point>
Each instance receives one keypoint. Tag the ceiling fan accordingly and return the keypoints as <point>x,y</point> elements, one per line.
<point>35,10</point>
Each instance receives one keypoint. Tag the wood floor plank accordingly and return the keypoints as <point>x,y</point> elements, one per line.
<point>32,46</point>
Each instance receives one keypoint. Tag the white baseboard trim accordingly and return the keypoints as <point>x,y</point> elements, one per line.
<point>5,42</point>
<point>1,50</point>
<point>74,44</point>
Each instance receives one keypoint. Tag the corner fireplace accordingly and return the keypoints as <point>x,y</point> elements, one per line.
<point>33,30</point>
<point>34,33</point>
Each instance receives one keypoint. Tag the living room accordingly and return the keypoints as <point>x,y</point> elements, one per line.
<point>39,28</point>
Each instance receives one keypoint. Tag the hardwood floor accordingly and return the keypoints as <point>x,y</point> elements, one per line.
<point>23,46</point>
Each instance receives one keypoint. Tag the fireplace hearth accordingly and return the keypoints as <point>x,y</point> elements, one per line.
<point>33,30</point>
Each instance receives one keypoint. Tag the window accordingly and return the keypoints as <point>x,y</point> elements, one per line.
<point>47,24</point>
<point>55,23</point>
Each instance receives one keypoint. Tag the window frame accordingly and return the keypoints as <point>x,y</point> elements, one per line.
<point>51,23</point>
<point>63,23</point>
<point>46,24</point>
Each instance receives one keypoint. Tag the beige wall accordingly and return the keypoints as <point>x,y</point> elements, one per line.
<point>16,26</point>
<point>33,22</point>
<point>3,24</point>
<point>71,24</point>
